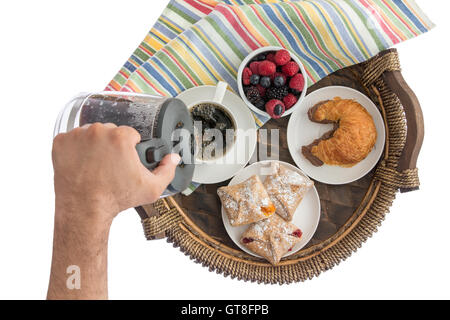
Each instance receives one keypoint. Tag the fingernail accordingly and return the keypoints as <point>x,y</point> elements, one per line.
<point>175,158</point>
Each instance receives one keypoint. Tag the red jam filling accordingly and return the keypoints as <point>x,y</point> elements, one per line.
<point>247,240</point>
<point>297,233</point>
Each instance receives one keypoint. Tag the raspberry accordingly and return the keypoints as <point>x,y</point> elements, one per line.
<point>247,240</point>
<point>275,108</point>
<point>254,67</point>
<point>246,75</point>
<point>297,233</point>
<point>282,57</point>
<point>297,82</point>
<point>271,57</point>
<point>267,68</point>
<point>291,68</point>
<point>290,100</point>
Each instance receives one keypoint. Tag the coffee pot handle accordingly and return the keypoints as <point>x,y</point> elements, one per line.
<point>151,152</point>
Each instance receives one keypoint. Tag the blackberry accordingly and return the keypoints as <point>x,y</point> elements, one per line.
<point>277,93</point>
<point>252,94</point>
<point>260,104</point>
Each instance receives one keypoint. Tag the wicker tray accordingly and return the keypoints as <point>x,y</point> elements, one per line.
<point>350,213</point>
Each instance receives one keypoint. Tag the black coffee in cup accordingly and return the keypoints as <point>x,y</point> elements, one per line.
<point>214,130</point>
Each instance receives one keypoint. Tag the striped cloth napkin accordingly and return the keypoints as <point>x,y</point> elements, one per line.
<point>201,42</point>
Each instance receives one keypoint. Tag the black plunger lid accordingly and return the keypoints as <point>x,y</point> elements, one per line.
<point>172,117</point>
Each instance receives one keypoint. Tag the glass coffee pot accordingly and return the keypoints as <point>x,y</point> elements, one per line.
<point>165,126</point>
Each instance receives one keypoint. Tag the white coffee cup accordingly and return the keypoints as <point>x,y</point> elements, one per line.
<point>217,99</point>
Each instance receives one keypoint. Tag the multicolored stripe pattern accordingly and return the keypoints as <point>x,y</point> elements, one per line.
<point>201,42</point>
<point>327,35</point>
<point>178,16</point>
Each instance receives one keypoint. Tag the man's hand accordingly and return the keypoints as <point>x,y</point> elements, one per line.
<point>97,167</point>
<point>97,175</point>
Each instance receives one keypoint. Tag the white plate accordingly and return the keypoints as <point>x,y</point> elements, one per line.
<point>212,173</point>
<point>306,217</point>
<point>302,132</point>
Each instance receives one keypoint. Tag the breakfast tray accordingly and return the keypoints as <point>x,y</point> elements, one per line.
<point>350,214</point>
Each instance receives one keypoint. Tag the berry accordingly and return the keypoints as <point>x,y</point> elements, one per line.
<point>279,81</point>
<point>278,74</point>
<point>297,233</point>
<point>271,57</point>
<point>247,240</point>
<point>296,92</point>
<point>291,69</point>
<point>260,104</point>
<point>261,89</point>
<point>277,93</point>
<point>297,82</point>
<point>290,100</point>
<point>265,82</point>
<point>254,79</point>
<point>275,108</point>
<point>246,74</point>
<point>252,94</point>
<point>278,110</point>
<point>254,67</point>
<point>282,57</point>
<point>267,68</point>
<point>260,57</point>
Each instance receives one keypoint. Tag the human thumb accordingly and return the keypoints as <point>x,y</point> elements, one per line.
<point>165,172</point>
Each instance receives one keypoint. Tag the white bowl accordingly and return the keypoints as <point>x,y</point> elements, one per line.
<point>246,62</point>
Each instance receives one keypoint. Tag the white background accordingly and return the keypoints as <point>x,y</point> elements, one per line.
<point>51,50</point>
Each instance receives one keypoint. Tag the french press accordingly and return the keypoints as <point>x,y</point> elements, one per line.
<point>165,126</point>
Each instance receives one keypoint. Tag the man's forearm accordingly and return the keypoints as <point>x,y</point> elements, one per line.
<point>79,264</point>
<point>98,174</point>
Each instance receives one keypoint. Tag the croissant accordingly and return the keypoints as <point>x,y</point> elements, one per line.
<point>352,138</point>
